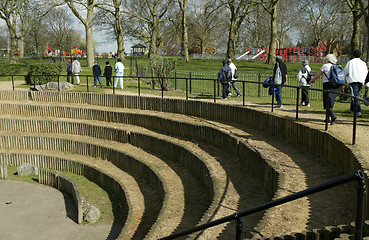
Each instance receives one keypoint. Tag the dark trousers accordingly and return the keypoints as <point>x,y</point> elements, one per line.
<point>69,77</point>
<point>304,96</point>
<point>108,81</point>
<point>225,89</point>
<point>355,91</point>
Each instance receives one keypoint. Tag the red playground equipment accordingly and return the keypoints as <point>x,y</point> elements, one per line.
<point>289,54</point>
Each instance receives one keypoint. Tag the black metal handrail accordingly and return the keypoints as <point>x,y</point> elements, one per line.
<point>215,93</point>
<point>355,176</point>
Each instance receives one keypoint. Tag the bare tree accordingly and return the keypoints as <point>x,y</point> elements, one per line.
<point>238,9</point>
<point>271,6</point>
<point>184,43</point>
<point>364,8</point>
<point>113,20</point>
<point>206,22</point>
<point>26,12</point>
<point>88,5</point>
<point>354,6</point>
<point>151,14</point>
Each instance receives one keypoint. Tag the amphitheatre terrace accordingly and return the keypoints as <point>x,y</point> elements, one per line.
<point>174,164</point>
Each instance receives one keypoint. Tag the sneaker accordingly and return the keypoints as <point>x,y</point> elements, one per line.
<point>239,95</point>
<point>333,120</point>
<point>359,114</point>
<point>279,106</point>
<point>100,86</point>
<point>224,98</point>
<point>302,103</point>
<point>229,94</point>
<point>307,105</point>
<point>94,86</point>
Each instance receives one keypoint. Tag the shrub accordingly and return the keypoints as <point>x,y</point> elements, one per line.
<point>50,70</point>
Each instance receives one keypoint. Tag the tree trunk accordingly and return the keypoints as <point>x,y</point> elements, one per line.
<point>184,50</point>
<point>13,49</point>
<point>153,50</point>
<point>89,36</point>
<point>273,33</point>
<point>119,34</point>
<point>231,39</point>
<point>21,47</point>
<point>355,38</point>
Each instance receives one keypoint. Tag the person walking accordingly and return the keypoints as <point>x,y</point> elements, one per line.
<point>304,77</point>
<point>225,76</point>
<point>69,70</point>
<point>108,72</point>
<point>76,69</point>
<point>234,78</point>
<point>280,77</point>
<point>119,71</point>
<point>328,98</point>
<point>96,71</point>
<point>356,71</point>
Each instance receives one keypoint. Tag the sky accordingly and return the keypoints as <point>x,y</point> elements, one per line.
<point>103,45</point>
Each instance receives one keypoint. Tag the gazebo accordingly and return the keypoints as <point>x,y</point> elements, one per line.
<point>138,50</point>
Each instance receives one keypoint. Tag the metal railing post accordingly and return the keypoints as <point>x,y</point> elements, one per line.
<point>273,94</point>
<point>297,103</point>
<point>190,82</point>
<point>88,90</point>
<point>13,82</point>
<point>186,88</point>
<point>239,227</point>
<point>243,93</point>
<point>175,80</point>
<point>215,91</point>
<point>58,83</point>
<point>326,111</point>
<point>259,81</point>
<point>113,84</point>
<point>355,121</point>
<point>162,87</point>
<point>139,86</point>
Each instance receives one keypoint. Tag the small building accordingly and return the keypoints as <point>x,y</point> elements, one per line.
<point>138,50</point>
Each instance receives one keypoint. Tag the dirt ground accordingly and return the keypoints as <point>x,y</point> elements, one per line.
<point>303,170</point>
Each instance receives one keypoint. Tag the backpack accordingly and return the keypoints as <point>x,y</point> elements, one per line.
<point>337,77</point>
<point>278,75</point>
<point>308,77</point>
<point>235,75</point>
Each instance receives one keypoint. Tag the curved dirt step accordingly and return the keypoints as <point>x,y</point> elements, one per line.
<point>133,195</point>
<point>169,183</point>
<point>227,204</point>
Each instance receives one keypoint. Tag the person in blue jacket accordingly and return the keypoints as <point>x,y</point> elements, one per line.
<point>225,76</point>
<point>96,71</point>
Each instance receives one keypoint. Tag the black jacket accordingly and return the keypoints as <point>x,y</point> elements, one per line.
<point>108,71</point>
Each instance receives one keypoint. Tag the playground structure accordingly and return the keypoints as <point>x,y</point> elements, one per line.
<point>73,52</point>
<point>172,48</point>
<point>289,54</point>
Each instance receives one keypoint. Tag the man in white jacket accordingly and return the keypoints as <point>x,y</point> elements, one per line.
<point>76,69</point>
<point>356,71</point>
<point>119,70</point>
<point>234,78</point>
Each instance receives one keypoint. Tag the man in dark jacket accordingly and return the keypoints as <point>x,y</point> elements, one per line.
<point>69,70</point>
<point>225,76</point>
<point>280,77</point>
<point>96,71</point>
<point>108,72</point>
